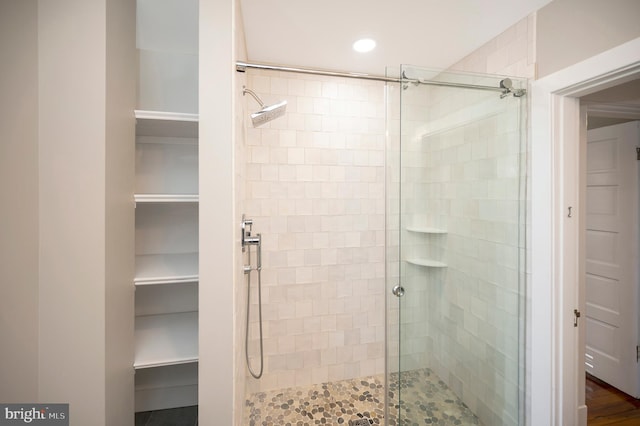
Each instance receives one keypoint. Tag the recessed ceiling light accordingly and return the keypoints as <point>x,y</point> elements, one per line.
<point>364,45</point>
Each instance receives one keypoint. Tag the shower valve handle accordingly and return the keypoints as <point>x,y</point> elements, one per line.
<point>247,225</point>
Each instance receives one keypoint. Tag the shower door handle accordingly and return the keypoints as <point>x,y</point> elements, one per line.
<point>398,291</point>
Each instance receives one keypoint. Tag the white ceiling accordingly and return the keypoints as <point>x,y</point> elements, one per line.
<point>430,33</point>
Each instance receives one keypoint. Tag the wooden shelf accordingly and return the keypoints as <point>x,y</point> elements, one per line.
<point>427,262</point>
<point>166,198</point>
<point>167,339</point>
<point>425,230</point>
<point>154,269</point>
<point>166,124</point>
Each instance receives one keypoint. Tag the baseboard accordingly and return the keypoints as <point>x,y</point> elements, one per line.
<point>582,415</point>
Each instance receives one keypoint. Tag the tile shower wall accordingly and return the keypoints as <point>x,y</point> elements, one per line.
<point>512,53</point>
<point>462,174</point>
<point>465,180</point>
<point>315,189</point>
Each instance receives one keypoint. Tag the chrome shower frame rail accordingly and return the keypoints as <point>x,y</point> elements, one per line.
<point>242,67</point>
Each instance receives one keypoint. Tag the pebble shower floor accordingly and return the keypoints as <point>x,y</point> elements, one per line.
<point>426,401</point>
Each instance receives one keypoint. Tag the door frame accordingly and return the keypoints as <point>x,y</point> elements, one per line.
<point>556,392</point>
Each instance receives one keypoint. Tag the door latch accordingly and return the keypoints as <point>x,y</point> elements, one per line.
<point>576,315</point>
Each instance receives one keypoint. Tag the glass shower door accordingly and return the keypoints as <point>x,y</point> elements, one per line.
<point>455,240</point>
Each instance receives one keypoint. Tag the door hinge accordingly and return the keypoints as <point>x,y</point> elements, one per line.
<point>637,353</point>
<point>638,153</point>
<point>576,315</point>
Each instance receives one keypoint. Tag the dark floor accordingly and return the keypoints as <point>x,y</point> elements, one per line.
<point>184,416</point>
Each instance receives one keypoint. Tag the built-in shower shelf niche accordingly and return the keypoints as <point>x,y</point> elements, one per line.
<point>425,230</point>
<point>167,339</point>
<point>152,269</point>
<point>429,263</point>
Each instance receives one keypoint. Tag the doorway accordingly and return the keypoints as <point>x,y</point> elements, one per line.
<point>610,258</point>
<point>555,342</point>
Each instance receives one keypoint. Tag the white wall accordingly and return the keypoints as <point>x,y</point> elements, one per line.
<point>85,194</point>
<point>511,53</point>
<point>168,55</point>
<point>72,206</point>
<point>240,304</point>
<point>119,147</point>
<point>219,230</point>
<point>19,195</point>
<point>570,31</point>
<point>67,237</point>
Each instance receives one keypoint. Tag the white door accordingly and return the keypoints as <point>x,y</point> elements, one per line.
<point>612,256</point>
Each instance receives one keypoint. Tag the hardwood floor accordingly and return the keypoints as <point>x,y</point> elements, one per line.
<point>608,406</point>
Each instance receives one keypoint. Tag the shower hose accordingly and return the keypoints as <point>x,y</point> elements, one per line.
<point>247,271</point>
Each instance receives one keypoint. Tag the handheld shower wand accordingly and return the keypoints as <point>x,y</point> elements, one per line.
<point>247,241</point>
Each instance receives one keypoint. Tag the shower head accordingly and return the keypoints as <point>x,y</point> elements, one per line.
<point>266,113</point>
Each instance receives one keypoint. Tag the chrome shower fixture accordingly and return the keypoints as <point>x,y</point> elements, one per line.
<point>267,112</point>
<point>248,240</point>
<point>507,86</point>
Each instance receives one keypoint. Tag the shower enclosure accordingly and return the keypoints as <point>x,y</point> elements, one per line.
<point>392,221</point>
<point>456,202</point>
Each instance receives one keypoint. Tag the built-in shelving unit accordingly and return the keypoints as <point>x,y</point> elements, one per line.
<point>166,200</point>
<point>166,326</point>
